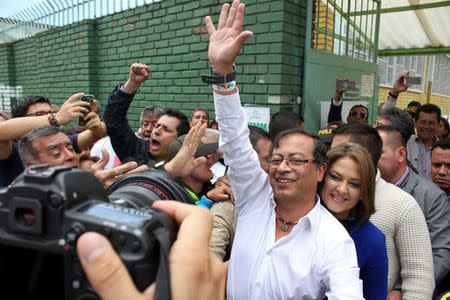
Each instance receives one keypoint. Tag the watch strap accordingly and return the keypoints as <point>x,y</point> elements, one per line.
<point>393,96</point>
<point>217,78</point>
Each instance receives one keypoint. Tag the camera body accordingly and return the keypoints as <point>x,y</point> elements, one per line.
<point>88,98</point>
<point>41,217</point>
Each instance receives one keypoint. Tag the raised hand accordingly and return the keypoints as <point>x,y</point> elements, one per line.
<point>226,42</point>
<point>94,123</point>
<point>107,177</point>
<point>184,162</point>
<point>138,74</point>
<point>399,84</point>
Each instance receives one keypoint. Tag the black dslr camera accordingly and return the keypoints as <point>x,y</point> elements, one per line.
<point>48,207</point>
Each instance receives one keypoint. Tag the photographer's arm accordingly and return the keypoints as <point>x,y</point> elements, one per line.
<point>198,275</point>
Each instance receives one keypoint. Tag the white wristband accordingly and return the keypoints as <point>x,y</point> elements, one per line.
<point>225,87</point>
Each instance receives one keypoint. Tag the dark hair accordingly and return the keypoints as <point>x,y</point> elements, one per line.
<point>319,152</point>
<point>446,125</point>
<point>401,120</point>
<point>394,135</point>
<point>183,127</point>
<point>411,112</point>
<point>444,144</point>
<point>364,135</point>
<point>21,107</point>
<point>413,103</point>
<point>429,109</point>
<point>26,150</point>
<point>257,133</point>
<point>140,160</point>
<point>213,123</point>
<point>198,109</point>
<point>74,130</point>
<point>367,172</point>
<point>358,106</point>
<point>283,120</point>
<point>151,110</point>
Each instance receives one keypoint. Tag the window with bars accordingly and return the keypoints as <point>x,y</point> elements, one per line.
<point>441,75</point>
<point>345,28</point>
<point>390,68</point>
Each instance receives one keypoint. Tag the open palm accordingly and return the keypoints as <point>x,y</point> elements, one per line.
<point>226,42</point>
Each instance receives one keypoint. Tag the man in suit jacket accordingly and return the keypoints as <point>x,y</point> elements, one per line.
<point>431,199</point>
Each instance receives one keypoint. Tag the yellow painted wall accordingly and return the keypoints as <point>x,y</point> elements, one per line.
<point>408,96</point>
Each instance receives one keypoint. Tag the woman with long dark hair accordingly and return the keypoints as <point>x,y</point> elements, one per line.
<point>348,192</point>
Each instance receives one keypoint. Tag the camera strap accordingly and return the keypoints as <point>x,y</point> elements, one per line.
<point>162,289</point>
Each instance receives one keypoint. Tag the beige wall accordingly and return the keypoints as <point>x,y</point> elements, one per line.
<point>442,101</point>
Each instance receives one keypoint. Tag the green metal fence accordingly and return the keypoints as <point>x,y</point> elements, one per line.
<point>47,14</point>
<point>340,28</point>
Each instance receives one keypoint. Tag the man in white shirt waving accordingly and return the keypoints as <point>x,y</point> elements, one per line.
<point>287,245</point>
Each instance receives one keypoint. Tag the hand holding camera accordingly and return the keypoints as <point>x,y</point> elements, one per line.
<point>48,208</point>
<point>199,271</point>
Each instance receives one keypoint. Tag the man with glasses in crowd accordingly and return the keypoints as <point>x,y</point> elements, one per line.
<point>36,111</point>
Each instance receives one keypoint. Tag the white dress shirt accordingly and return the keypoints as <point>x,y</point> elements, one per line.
<point>316,259</point>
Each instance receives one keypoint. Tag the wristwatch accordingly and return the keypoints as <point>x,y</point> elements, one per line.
<point>393,96</point>
<point>216,78</point>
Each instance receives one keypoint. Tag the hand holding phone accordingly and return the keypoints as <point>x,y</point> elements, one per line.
<point>88,98</point>
<point>348,85</point>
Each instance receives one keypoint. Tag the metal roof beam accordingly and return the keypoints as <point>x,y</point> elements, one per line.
<point>426,24</point>
<point>414,51</point>
<point>402,8</point>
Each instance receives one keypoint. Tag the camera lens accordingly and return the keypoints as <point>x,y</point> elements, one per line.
<point>140,190</point>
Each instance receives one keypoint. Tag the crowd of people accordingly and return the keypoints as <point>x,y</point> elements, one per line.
<point>351,212</point>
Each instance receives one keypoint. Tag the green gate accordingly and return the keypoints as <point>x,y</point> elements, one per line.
<point>341,42</point>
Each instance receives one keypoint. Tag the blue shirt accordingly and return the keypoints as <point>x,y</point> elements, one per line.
<point>370,245</point>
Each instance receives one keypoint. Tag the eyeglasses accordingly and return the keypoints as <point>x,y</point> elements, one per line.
<point>290,161</point>
<point>38,113</point>
<point>355,113</point>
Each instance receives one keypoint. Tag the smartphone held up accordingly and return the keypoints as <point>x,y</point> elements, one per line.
<point>413,80</point>
<point>88,98</point>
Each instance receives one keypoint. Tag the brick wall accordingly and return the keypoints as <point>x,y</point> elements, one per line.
<point>170,36</point>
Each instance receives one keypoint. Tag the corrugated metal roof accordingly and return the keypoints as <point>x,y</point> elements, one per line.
<point>424,28</point>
